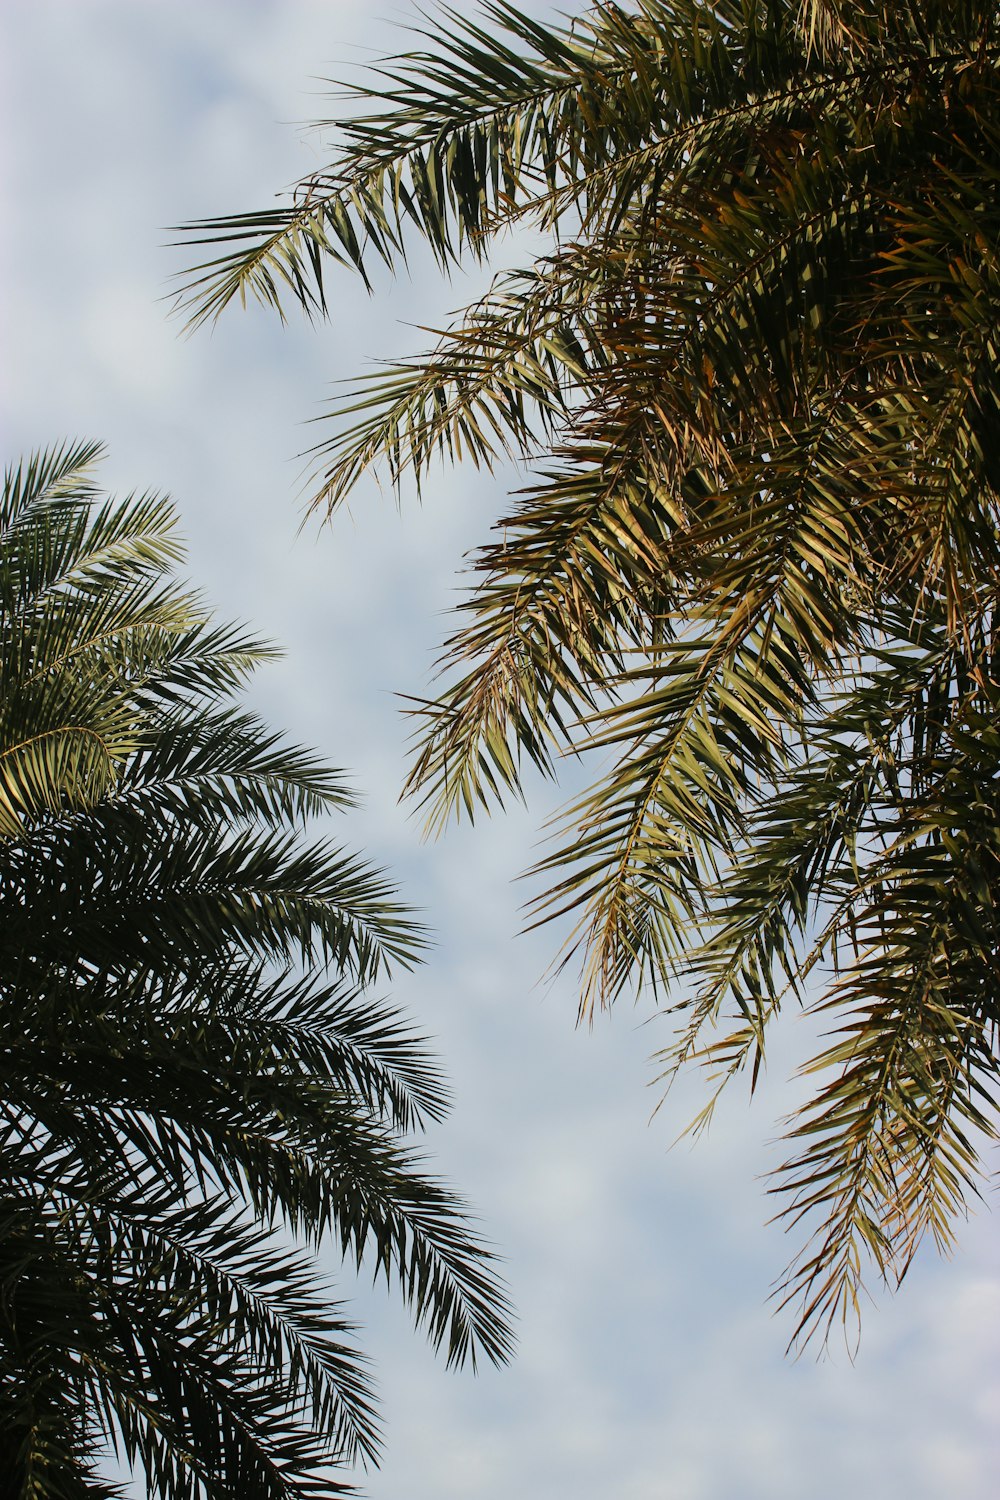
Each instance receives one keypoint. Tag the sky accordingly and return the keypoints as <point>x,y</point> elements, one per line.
<point>651,1364</point>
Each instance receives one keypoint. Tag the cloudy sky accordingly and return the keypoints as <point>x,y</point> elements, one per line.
<point>651,1366</point>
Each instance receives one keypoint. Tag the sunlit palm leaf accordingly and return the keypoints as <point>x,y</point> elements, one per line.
<point>762,577</point>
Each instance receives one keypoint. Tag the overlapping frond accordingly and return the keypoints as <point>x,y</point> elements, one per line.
<point>761,578</point>
<point>77,595</point>
<point>190,1057</point>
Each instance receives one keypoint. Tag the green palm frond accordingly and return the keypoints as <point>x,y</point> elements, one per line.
<point>757,567</point>
<point>78,597</point>
<point>190,1057</point>
<point>494,386</point>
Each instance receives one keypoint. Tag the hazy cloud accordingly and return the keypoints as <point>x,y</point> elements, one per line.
<point>651,1367</point>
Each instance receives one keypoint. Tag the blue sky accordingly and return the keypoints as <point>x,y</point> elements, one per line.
<point>651,1366</point>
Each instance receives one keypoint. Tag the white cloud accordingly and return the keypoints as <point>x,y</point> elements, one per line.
<point>651,1368</point>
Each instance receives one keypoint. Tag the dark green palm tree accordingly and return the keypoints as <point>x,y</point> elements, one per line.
<point>191,1069</point>
<point>756,373</point>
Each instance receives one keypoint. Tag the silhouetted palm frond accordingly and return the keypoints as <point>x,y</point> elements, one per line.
<point>190,1059</point>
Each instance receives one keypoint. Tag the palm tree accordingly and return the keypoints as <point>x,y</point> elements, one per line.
<point>758,563</point>
<point>191,1069</point>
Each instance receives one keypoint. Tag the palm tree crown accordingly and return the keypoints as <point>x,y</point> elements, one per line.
<point>758,566</point>
<point>190,1065</point>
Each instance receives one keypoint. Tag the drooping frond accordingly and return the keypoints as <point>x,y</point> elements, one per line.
<point>190,1058</point>
<point>756,569</point>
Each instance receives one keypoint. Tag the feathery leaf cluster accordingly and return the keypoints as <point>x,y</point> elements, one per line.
<point>756,375</point>
<point>191,1068</point>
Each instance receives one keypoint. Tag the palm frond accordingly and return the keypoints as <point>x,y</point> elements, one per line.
<point>190,1059</point>
<point>760,579</point>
